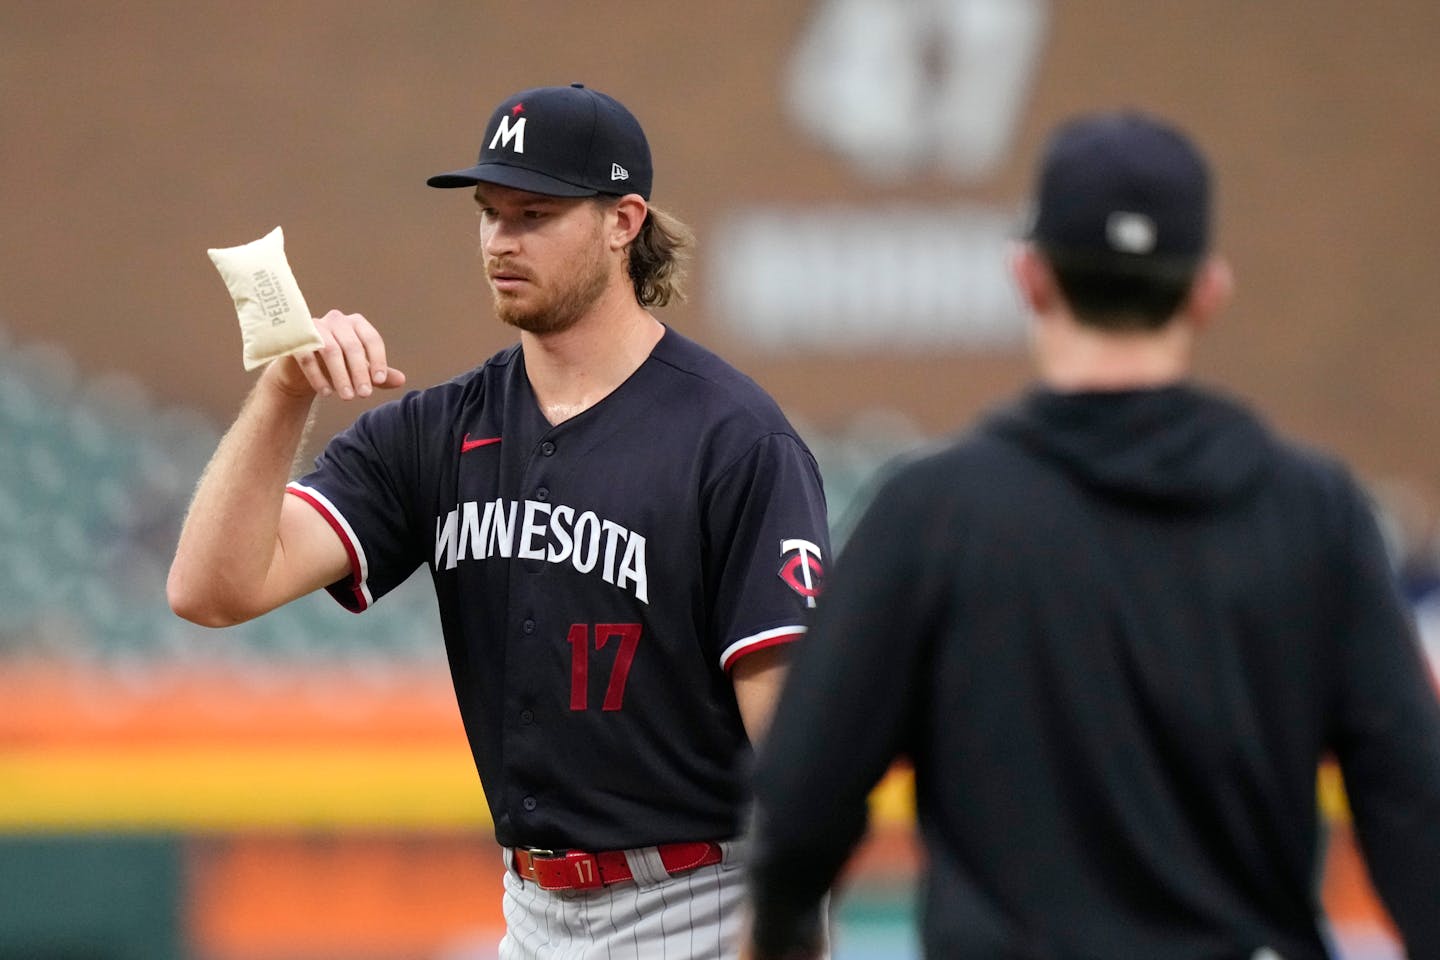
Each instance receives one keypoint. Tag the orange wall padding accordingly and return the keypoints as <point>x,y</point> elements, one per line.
<point>341,895</point>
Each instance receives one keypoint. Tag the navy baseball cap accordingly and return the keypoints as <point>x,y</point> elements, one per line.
<point>1122,183</point>
<point>563,142</point>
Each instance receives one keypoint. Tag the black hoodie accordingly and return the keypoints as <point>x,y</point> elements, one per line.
<point>1115,633</point>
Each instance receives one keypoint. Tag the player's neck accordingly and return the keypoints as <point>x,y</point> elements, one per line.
<point>575,369</point>
<point>1072,358</point>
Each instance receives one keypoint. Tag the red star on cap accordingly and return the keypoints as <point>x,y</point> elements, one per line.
<point>518,108</point>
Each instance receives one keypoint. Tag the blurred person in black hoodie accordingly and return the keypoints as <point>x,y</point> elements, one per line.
<point>1115,628</point>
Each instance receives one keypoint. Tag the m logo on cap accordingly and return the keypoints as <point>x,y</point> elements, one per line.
<point>505,133</point>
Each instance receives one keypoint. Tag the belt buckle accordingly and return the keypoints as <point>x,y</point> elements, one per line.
<point>525,861</point>
<point>577,870</point>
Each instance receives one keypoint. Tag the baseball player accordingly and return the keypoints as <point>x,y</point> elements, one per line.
<point>623,533</point>
<point>1116,627</point>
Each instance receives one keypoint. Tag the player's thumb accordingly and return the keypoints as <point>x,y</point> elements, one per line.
<point>388,378</point>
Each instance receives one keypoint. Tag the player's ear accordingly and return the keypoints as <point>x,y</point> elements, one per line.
<point>627,216</point>
<point>1211,290</point>
<point>1033,278</point>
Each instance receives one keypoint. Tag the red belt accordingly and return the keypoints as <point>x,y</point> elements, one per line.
<point>576,870</point>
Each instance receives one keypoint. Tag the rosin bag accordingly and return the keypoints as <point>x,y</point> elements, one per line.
<point>274,320</point>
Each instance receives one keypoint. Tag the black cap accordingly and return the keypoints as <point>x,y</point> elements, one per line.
<point>1122,184</point>
<point>562,142</point>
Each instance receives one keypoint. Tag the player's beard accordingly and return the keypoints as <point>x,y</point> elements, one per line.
<point>574,293</point>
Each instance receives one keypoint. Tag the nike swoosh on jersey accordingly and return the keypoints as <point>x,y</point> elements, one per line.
<point>466,445</point>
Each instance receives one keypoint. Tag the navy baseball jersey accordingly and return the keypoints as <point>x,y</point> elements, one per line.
<point>597,579</point>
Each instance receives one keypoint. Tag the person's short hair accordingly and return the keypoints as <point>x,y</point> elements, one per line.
<point>1112,293</point>
<point>1122,215</point>
<point>657,258</point>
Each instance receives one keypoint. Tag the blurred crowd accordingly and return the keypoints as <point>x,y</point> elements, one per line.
<point>95,476</point>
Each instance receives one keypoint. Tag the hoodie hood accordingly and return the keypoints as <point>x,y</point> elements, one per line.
<point>1176,446</point>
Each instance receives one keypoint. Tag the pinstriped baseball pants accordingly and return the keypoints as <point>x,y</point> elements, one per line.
<point>694,915</point>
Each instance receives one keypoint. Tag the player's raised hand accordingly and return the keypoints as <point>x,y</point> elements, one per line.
<point>350,363</point>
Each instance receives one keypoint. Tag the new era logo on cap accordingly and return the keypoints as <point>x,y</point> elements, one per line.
<point>561,142</point>
<point>1130,232</point>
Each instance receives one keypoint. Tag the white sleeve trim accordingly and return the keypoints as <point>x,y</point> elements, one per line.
<point>347,533</point>
<point>764,638</point>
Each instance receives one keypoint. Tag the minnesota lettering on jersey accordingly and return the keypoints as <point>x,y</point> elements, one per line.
<point>532,530</point>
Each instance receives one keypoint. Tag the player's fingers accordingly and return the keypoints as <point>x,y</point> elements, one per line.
<point>374,351</point>
<point>357,364</point>
<point>310,366</point>
<point>393,378</point>
<point>342,354</point>
<point>332,362</point>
